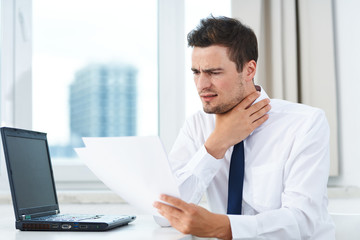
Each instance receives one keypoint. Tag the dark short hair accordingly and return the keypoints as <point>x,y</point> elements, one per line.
<point>228,32</point>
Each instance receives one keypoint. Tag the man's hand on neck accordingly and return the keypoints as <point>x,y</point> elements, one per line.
<point>234,126</point>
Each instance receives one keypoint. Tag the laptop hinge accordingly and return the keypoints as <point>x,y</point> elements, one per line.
<point>28,217</point>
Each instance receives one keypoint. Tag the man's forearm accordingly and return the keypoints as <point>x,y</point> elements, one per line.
<point>215,147</point>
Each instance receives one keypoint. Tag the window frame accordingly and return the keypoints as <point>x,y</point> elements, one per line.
<point>16,82</point>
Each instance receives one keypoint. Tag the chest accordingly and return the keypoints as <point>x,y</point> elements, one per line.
<point>266,154</point>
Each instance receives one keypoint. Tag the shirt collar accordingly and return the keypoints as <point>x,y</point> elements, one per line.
<point>263,94</point>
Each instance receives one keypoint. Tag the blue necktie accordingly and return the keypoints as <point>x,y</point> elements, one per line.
<point>236,179</point>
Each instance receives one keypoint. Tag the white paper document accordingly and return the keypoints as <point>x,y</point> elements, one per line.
<point>136,168</point>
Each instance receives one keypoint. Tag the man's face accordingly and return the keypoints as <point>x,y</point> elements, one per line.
<point>219,84</point>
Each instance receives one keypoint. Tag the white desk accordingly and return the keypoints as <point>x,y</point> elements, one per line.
<point>345,213</point>
<point>143,227</point>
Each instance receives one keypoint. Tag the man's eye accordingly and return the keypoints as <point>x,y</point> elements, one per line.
<point>215,73</point>
<point>196,73</point>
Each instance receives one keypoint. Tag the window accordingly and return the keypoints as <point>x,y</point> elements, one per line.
<point>46,75</point>
<point>94,71</point>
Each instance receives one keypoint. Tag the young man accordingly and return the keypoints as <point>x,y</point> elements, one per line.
<point>264,169</point>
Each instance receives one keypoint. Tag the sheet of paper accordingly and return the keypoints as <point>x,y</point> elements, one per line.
<point>136,168</point>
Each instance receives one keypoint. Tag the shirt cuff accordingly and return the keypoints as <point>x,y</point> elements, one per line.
<point>243,226</point>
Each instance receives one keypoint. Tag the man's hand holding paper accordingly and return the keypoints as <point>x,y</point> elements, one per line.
<point>136,168</point>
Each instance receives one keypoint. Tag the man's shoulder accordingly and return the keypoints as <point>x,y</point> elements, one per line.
<point>283,107</point>
<point>288,120</point>
<point>296,115</point>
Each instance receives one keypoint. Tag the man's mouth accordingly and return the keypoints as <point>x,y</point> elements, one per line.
<point>208,96</point>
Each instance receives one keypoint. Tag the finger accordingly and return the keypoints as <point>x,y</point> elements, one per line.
<point>176,202</point>
<point>175,223</point>
<point>247,101</point>
<point>167,210</point>
<point>171,218</point>
<point>257,106</point>
<point>260,121</point>
<point>255,116</point>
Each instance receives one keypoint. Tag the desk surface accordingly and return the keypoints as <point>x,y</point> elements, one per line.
<point>143,227</point>
<point>345,213</point>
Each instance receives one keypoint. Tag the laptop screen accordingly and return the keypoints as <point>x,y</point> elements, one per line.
<point>31,172</point>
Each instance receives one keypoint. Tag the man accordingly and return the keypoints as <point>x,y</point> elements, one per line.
<point>280,188</point>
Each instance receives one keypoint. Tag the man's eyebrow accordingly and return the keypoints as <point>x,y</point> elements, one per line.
<point>207,70</point>
<point>212,70</point>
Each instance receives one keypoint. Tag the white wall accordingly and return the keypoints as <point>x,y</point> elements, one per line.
<point>347,20</point>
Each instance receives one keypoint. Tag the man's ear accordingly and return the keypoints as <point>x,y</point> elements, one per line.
<point>250,70</point>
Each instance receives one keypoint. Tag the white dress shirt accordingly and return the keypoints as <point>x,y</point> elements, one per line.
<point>286,173</point>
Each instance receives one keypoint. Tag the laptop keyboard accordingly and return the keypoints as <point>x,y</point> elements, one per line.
<point>78,218</point>
<point>68,218</point>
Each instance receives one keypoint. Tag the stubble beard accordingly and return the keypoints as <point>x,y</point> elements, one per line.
<point>221,108</point>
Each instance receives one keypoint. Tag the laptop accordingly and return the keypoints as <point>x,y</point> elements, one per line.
<point>33,188</point>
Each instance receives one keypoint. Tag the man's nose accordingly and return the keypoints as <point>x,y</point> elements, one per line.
<point>203,82</point>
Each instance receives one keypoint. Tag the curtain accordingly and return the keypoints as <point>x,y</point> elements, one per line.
<point>296,54</point>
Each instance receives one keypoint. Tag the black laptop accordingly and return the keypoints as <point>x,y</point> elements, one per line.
<point>33,188</point>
